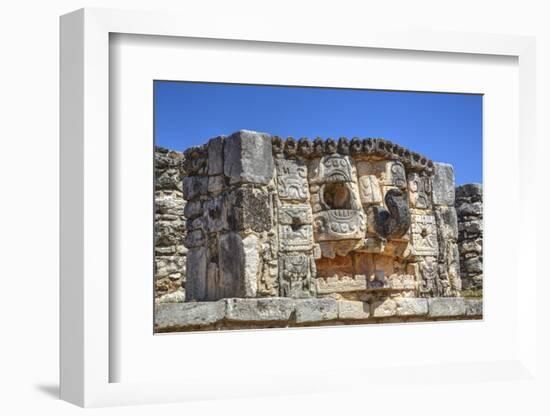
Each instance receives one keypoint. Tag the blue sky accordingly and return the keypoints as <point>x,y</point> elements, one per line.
<point>444,127</point>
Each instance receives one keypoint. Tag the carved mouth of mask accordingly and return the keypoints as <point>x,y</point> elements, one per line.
<point>339,220</point>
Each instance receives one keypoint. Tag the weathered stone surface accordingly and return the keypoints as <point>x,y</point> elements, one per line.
<point>292,180</point>
<point>340,224</point>
<point>169,315</point>
<point>348,309</point>
<point>411,306</point>
<point>192,209</point>
<point>295,237</point>
<point>295,214</point>
<point>248,158</point>
<point>295,276</point>
<point>231,265</point>
<point>369,190</point>
<point>215,156</point>
<point>424,235</point>
<point>251,264</point>
<point>215,184</point>
<point>472,192</point>
<point>193,186</point>
<point>474,307</point>
<point>248,209</point>
<point>337,284</point>
<point>473,265</point>
<point>447,222</point>
<point>315,310</point>
<point>443,184</point>
<point>195,288</point>
<point>439,307</point>
<point>384,308</point>
<point>262,309</point>
<point>420,190</point>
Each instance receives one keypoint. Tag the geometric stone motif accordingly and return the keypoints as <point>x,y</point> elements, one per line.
<point>339,224</point>
<point>424,235</point>
<point>295,238</point>
<point>292,180</point>
<point>295,276</point>
<point>294,214</point>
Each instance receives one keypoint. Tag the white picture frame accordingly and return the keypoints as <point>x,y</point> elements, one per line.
<point>87,165</point>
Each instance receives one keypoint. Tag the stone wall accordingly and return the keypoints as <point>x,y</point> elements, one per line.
<point>170,252</point>
<point>298,232</point>
<point>469,208</point>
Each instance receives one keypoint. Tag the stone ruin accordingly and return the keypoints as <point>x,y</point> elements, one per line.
<point>299,232</point>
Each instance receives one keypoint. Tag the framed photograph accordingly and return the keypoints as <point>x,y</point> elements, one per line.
<point>321,213</point>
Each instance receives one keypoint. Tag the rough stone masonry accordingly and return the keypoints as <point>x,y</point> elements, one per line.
<point>298,232</point>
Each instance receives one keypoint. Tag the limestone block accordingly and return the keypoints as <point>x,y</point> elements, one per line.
<point>215,184</point>
<point>314,310</point>
<point>261,309</point>
<point>248,209</point>
<point>471,227</point>
<point>348,309</point>
<point>193,186</point>
<point>447,222</point>
<point>169,203</point>
<point>168,233</point>
<point>248,158</point>
<point>474,209</point>
<point>192,209</point>
<point>252,266</point>
<point>194,239</point>
<point>230,251</point>
<point>474,307</point>
<point>473,265</point>
<point>168,315</point>
<point>168,265</point>
<point>471,191</point>
<point>443,184</point>
<point>195,285</point>
<point>215,155</point>
<point>387,307</point>
<point>411,306</point>
<point>446,307</point>
<point>214,219</point>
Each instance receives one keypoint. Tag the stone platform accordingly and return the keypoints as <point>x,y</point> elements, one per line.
<point>279,312</point>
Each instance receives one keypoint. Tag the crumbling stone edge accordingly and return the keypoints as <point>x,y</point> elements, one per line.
<point>241,313</point>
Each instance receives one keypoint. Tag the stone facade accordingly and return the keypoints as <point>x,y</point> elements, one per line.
<point>469,208</point>
<point>299,232</point>
<point>170,253</point>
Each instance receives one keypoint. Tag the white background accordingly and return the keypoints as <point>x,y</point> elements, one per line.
<point>29,175</point>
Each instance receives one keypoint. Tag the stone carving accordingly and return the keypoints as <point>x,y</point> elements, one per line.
<point>295,237</point>
<point>339,224</point>
<point>292,180</point>
<point>420,190</point>
<point>295,276</point>
<point>424,235</point>
<point>396,220</point>
<point>369,190</point>
<point>362,221</point>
